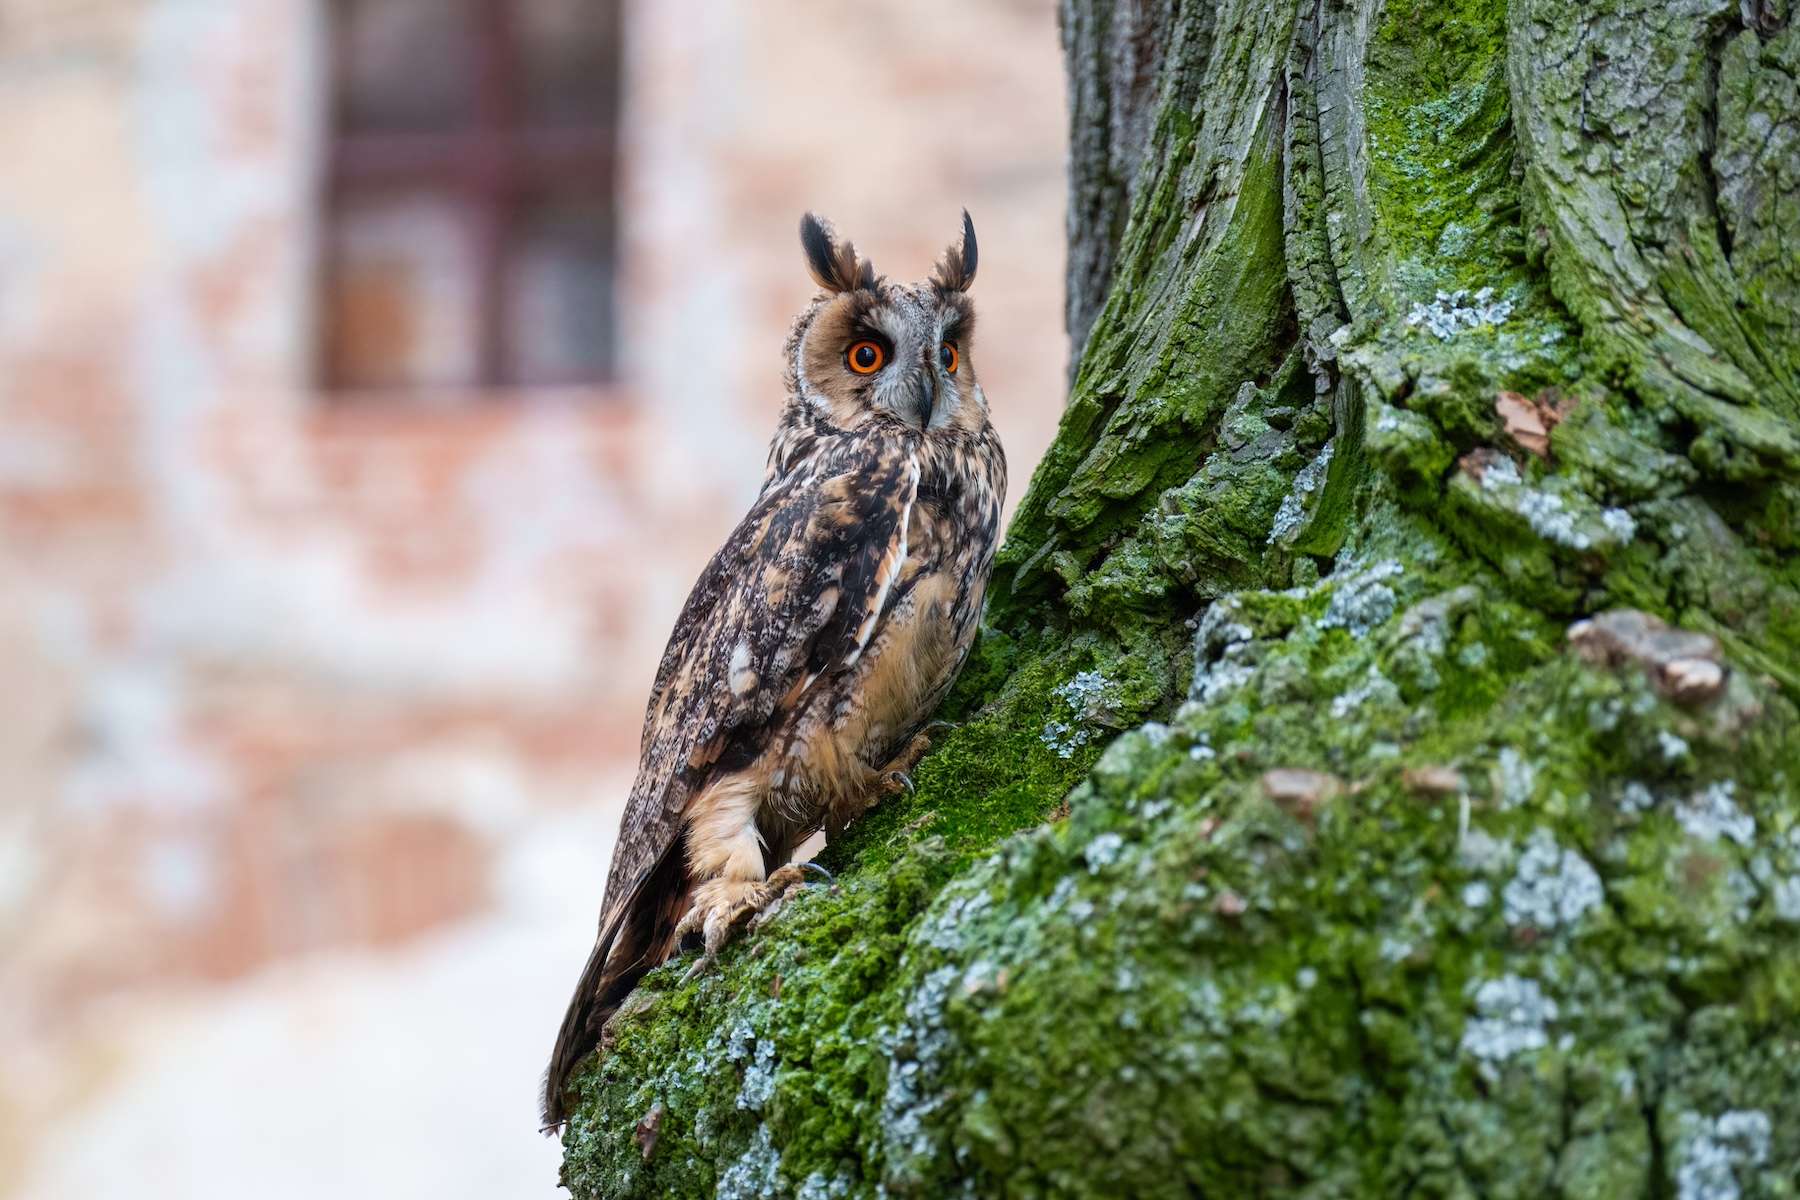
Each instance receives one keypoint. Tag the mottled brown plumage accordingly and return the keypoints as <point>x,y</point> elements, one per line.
<point>821,636</point>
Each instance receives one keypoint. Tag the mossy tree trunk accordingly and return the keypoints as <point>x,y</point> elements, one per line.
<point>1299,838</point>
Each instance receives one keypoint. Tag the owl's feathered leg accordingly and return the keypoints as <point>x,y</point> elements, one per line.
<point>889,780</point>
<point>725,859</point>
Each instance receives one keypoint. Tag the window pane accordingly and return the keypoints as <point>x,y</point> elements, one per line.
<point>400,293</point>
<point>565,61</point>
<point>559,317</point>
<point>406,65</point>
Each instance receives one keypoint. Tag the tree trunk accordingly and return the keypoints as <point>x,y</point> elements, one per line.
<point>1412,336</point>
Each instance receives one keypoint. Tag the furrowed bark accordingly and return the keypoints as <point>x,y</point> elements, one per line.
<point>1114,53</point>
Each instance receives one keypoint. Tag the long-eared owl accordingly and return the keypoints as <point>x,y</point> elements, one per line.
<point>812,651</point>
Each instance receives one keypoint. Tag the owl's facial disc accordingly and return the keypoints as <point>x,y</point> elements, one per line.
<point>896,352</point>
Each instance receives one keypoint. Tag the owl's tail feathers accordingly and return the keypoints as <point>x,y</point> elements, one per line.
<point>635,940</point>
<point>580,1031</point>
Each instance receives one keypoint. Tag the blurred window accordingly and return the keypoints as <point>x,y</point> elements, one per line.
<point>470,231</point>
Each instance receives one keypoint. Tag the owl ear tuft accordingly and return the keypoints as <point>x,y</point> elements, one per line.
<point>833,264</point>
<point>956,270</point>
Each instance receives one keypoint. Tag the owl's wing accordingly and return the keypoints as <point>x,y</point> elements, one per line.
<point>794,595</point>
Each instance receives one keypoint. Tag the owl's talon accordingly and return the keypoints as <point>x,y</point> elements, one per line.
<point>723,906</point>
<point>813,866</point>
<point>766,913</point>
<point>683,943</point>
<point>784,878</point>
<point>898,781</point>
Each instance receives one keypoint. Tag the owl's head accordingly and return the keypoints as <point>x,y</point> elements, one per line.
<point>873,351</point>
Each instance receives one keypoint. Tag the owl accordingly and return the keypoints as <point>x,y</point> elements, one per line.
<point>796,687</point>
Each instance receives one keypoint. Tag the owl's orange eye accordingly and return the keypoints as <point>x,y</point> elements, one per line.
<point>866,358</point>
<point>947,356</point>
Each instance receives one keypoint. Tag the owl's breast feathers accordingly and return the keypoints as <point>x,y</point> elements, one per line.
<point>846,599</point>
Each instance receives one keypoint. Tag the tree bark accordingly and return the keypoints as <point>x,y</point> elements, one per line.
<point>1378,771</point>
<point>1114,54</point>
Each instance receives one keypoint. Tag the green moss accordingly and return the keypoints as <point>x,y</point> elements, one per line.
<point>1405,446</point>
<point>1614,462</point>
<point>1440,147</point>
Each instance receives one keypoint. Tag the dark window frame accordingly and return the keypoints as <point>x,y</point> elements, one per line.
<point>492,166</point>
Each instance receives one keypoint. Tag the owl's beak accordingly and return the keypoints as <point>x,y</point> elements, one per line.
<point>925,396</point>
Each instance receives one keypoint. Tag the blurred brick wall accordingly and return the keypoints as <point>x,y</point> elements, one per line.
<point>269,665</point>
